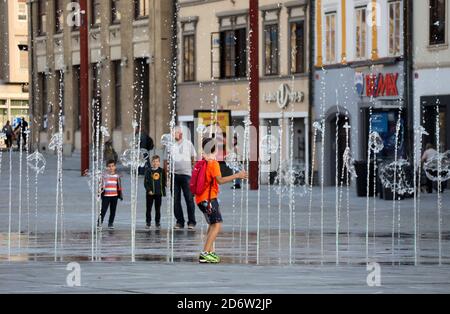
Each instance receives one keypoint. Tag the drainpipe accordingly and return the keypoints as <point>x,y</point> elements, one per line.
<point>174,65</point>
<point>84,87</point>
<point>311,72</point>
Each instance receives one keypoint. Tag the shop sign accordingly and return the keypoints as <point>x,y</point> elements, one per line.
<point>377,85</point>
<point>284,96</point>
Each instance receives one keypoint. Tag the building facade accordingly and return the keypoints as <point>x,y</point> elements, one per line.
<point>213,58</point>
<point>432,70</point>
<point>13,61</point>
<point>129,49</point>
<point>361,78</point>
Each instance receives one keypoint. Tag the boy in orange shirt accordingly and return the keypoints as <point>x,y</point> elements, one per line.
<point>208,202</point>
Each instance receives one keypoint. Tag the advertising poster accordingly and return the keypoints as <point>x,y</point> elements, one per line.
<point>214,124</point>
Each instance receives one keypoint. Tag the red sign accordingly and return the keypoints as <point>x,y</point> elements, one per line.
<point>381,85</point>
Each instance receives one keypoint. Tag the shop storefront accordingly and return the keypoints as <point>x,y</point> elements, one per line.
<point>383,109</point>
<point>363,99</point>
<point>432,106</point>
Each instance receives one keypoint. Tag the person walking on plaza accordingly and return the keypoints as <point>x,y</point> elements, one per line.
<point>207,199</point>
<point>19,133</point>
<point>24,128</point>
<point>9,133</point>
<point>155,188</point>
<point>184,155</point>
<point>111,193</point>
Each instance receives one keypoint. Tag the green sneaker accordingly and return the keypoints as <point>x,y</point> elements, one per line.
<point>215,256</point>
<point>208,258</point>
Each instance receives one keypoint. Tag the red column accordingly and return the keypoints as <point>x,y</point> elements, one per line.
<point>84,87</point>
<point>254,91</point>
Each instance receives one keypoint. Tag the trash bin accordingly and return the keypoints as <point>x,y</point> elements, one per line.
<point>361,180</point>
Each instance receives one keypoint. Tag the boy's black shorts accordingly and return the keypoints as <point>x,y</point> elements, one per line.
<point>212,216</point>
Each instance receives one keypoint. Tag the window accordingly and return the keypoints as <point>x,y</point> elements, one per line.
<point>438,23</point>
<point>298,47</point>
<point>22,11</point>
<point>233,54</point>
<point>95,13</point>
<point>59,16</point>
<point>395,30</point>
<point>117,94</point>
<point>42,22</point>
<point>330,35</point>
<point>142,90</point>
<point>23,58</point>
<point>361,33</point>
<point>44,106</point>
<point>189,57</point>
<point>19,103</point>
<point>271,49</point>
<point>141,9</point>
<point>115,12</point>
<point>96,86</point>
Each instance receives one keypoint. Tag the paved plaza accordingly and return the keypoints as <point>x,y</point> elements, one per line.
<point>290,260</point>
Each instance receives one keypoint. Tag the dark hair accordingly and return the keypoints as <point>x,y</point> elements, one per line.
<point>111,161</point>
<point>209,145</point>
<point>156,157</point>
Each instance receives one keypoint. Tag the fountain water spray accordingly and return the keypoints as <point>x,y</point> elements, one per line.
<point>348,170</point>
<point>167,140</point>
<point>317,127</point>
<point>10,204</point>
<point>375,146</point>
<point>37,163</point>
<point>27,137</point>
<point>337,179</point>
<point>419,133</point>
<point>20,183</point>
<point>280,182</point>
<point>394,192</point>
<point>322,191</point>
<point>55,144</point>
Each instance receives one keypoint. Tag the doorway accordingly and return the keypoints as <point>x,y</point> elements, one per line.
<point>338,142</point>
<point>429,120</point>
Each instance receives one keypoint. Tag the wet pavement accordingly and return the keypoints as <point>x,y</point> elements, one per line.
<point>156,246</point>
